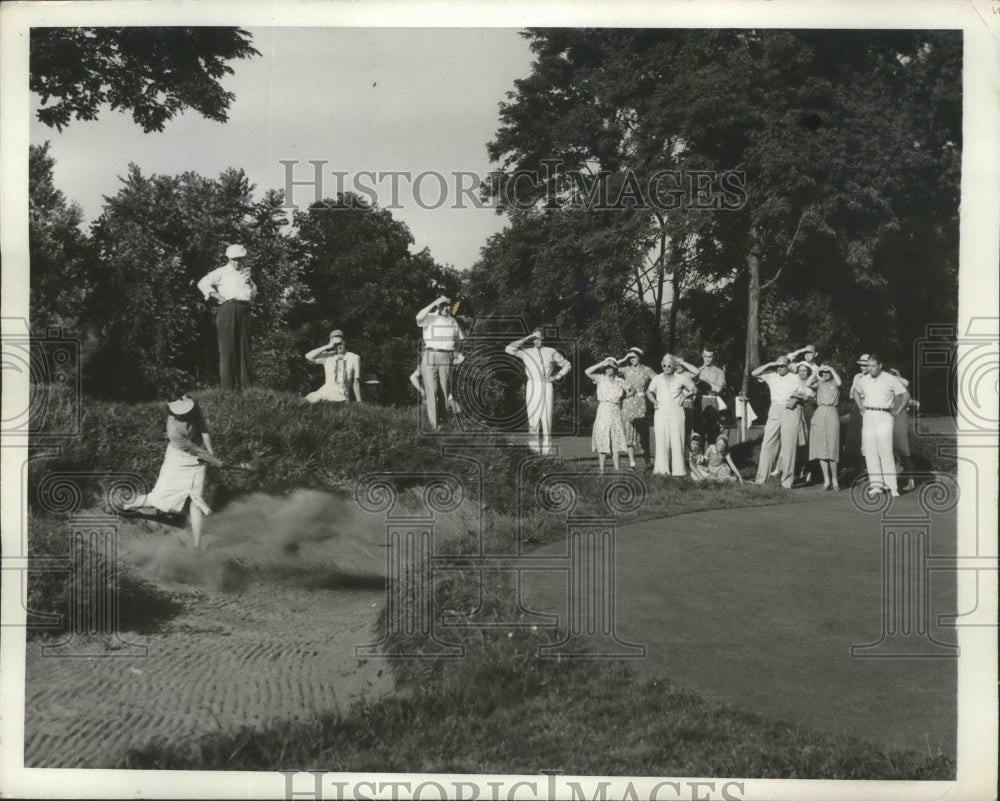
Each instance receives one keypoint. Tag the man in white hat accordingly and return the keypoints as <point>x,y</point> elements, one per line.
<point>342,370</point>
<point>442,336</point>
<point>233,288</point>
<point>543,366</point>
<point>784,417</point>
<point>853,447</point>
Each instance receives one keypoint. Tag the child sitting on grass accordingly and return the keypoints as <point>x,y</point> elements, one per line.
<point>718,463</point>
<point>697,460</point>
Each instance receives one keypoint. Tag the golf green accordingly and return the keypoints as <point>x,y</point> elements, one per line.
<point>759,608</point>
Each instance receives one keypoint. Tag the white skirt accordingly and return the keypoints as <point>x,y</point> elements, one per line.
<point>181,477</point>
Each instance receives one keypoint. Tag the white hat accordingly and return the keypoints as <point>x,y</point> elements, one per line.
<point>637,351</point>
<point>864,359</point>
<point>336,341</point>
<point>236,252</point>
<point>180,407</point>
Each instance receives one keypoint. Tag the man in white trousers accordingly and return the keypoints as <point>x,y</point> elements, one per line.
<point>880,397</point>
<point>667,393</point>
<point>784,416</point>
<point>543,366</point>
<point>442,337</point>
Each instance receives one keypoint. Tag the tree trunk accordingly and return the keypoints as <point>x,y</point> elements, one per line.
<point>752,357</point>
<point>672,320</point>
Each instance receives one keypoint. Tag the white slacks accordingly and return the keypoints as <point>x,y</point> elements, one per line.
<point>876,442</point>
<point>781,437</point>
<point>538,402</point>
<point>668,439</point>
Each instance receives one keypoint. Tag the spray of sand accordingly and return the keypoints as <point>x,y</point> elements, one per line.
<point>264,532</point>
<point>284,522</point>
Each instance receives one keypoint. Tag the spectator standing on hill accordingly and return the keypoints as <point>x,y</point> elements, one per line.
<point>637,375</point>
<point>539,363</point>
<point>808,354</point>
<point>853,450</point>
<point>667,392</point>
<point>880,397</point>
<point>784,419</point>
<point>608,435</point>
<point>342,371</point>
<point>824,429</point>
<point>710,380</point>
<point>901,435</point>
<point>442,337</point>
<point>807,403</point>
<point>233,288</point>
<point>691,400</point>
<point>182,474</point>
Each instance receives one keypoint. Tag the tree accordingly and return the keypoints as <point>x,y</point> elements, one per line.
<point>836,135</point>
<point>153,72</point>
<point>155,239</point>
<point>58,250</point>
<point>564,269</point>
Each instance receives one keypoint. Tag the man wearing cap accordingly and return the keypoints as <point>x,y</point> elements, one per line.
<point>880,397</point>
<point>853,450</point>
<point>637,376</point>
<point>442,336</point>
<point>234,289</point>
<point>784,417</point>
<point>539,363</point>
<point>342,370</point>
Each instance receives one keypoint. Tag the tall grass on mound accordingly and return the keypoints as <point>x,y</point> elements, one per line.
<point>67,574</point>
<point>583,718</point>
<point>287,442</point>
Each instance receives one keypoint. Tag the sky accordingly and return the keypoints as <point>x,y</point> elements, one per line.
<point>376,99</point>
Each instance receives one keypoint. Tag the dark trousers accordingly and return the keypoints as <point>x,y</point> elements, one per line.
<point>233,324</point>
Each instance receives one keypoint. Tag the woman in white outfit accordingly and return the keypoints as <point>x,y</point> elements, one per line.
<point>667,393</point>
<point>182,475</point>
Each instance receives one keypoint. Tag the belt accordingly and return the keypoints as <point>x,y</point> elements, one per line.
<point>233,300</point>
<point>877,409</point>
<point>827,404</point>
<point>439,350</point>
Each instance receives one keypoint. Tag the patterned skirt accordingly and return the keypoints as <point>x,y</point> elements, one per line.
<point>609,430</point>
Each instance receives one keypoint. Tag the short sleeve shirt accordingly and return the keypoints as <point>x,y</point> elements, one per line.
<point>669,389</point>
<point>782,386</point>
<point>881,391</point>
<point>441,332</point>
